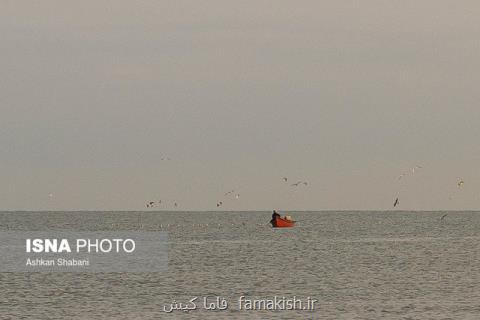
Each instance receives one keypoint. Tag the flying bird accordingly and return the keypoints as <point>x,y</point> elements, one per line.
<point>285,179</point>
<point>396,203</point>
<point>219,204</point>
<point>415,168</point>
<point>443,217</point>
<point>150,204</point>
<point>229,192</point>
<point>237,196</point>
<point>460,183</point>
<point>296,184</point>
<point>401,176</point>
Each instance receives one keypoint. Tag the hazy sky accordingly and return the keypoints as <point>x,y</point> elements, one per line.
<point>344,94</point>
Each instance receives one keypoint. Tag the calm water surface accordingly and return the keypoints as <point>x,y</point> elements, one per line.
<point>359,265</point>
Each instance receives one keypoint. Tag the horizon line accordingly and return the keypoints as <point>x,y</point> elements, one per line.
<point>219,211</point>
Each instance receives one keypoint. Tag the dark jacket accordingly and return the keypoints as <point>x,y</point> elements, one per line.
<point>275,214</point>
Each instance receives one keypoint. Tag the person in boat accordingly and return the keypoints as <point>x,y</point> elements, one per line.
<point>275,215</point>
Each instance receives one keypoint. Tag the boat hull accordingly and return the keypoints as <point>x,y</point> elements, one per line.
<point>282,223</point>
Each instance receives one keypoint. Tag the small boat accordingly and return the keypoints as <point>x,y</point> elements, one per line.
<point>282,223</point>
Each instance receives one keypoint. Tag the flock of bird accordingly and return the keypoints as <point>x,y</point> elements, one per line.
<point>229,195</point>
<point>232,194</point>
<point>152,204</point>
<point>396,202</point>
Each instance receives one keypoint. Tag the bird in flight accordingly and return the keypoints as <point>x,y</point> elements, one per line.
<point>443,217</point>
<point>285,179</point>
<point>396,203</point>
<point>296,184</point>
<point>237,196</point>
<point>229,192</point>
<point>460,183</point>
<point>219,203</point>
<point>415,168</point>
<point>150,204</point>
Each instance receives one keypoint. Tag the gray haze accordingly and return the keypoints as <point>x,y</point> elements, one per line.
<point>345,94</point>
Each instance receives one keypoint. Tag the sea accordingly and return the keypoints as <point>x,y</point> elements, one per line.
<point>356,264</point>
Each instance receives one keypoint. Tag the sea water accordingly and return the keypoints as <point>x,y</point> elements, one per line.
<point>358,265</point>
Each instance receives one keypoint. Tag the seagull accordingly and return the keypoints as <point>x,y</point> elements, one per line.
<point>237,196</point>
<point>219,204</point>
<point>150,204</point>
<point>229,192</point>
<point>396,203</point>
<point>446,214</point>
<point>460,183</point>
<point>401,176</point>
<point>285,179</point>
<point>296,184</point>
<point>415,168</point>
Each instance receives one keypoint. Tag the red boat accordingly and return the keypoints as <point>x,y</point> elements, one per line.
<point>282,223</point>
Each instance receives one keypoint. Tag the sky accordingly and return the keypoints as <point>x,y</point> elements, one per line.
<point>346,95</point>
